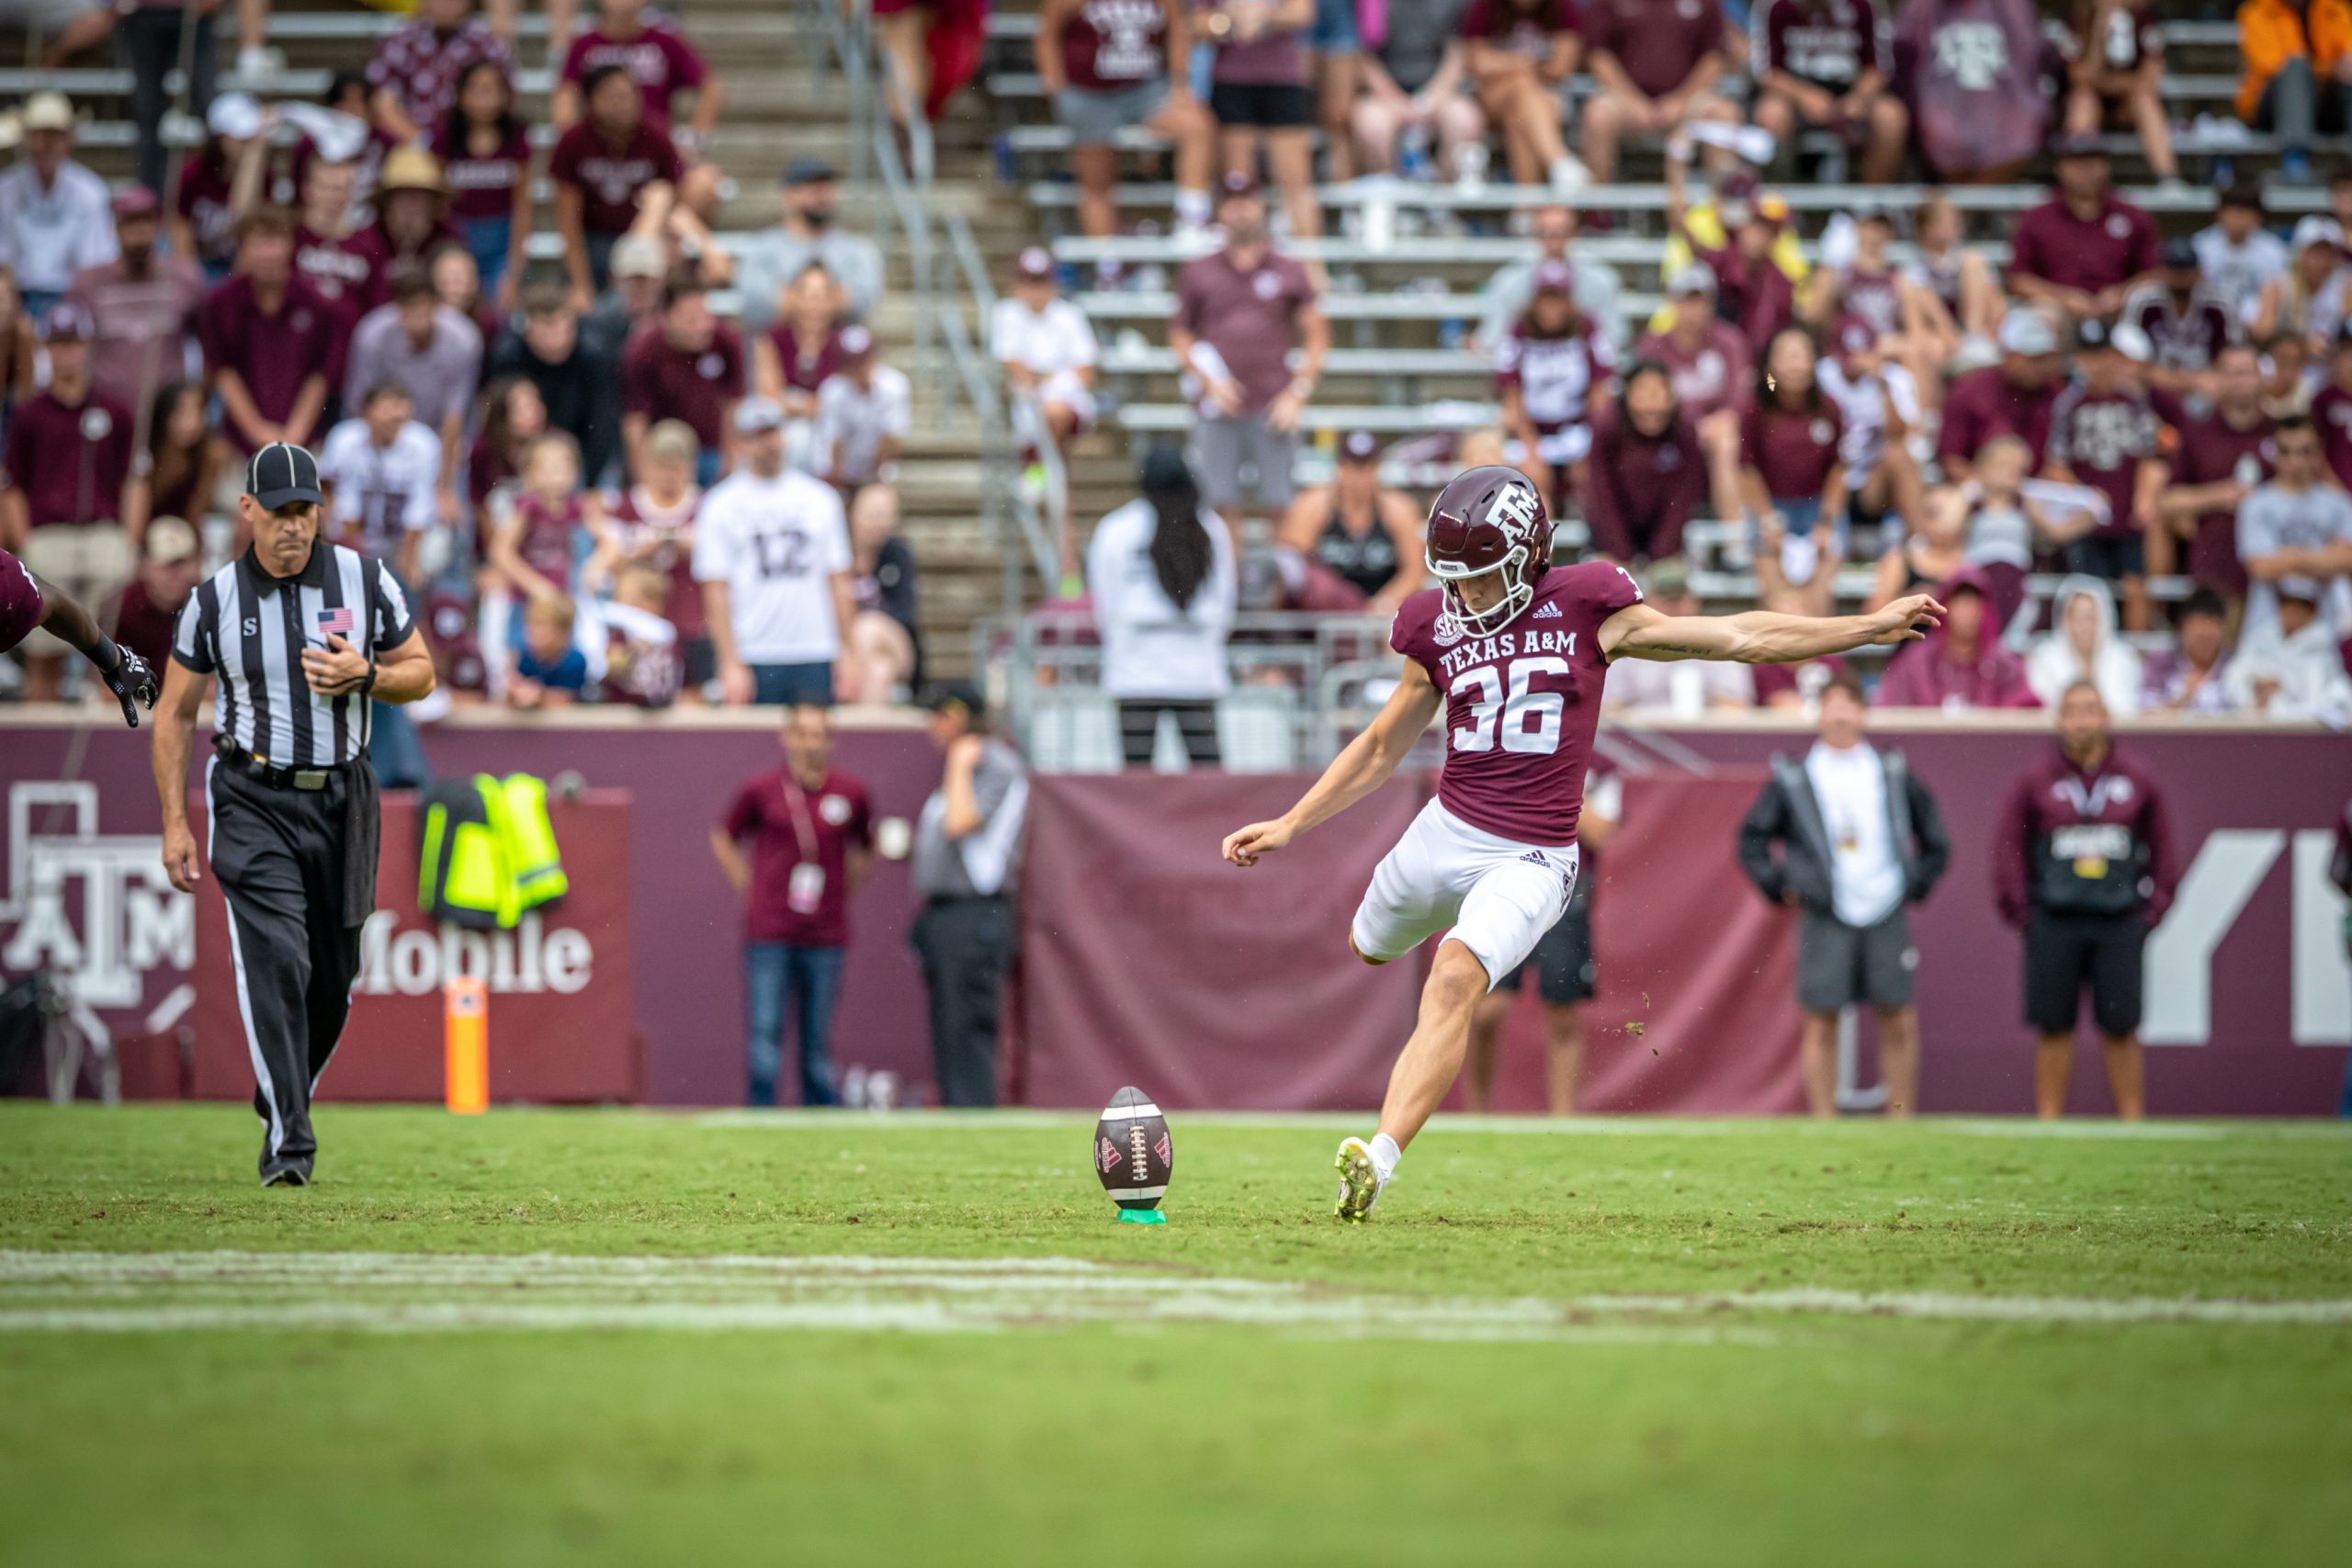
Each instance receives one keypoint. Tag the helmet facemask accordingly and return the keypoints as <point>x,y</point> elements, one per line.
<point>1519,592</point>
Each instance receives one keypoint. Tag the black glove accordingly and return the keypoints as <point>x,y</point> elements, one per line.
<point>131,681</point>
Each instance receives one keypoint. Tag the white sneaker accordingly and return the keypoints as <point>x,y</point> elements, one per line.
<point>1568,174</point>
<point>1360,1180</point>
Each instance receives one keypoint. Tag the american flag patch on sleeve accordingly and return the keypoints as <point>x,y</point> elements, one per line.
<point>336,621</point>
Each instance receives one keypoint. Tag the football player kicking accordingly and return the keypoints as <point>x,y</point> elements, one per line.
<point>1516,651</point>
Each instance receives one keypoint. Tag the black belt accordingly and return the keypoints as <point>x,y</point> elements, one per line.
<point>260,770</point>
<point>939,900</point>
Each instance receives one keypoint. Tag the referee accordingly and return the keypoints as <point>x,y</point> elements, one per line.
<point>299,634</point>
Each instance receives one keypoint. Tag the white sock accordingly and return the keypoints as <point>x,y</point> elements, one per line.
<point>1192,208</point>
<point>1384,1156</point>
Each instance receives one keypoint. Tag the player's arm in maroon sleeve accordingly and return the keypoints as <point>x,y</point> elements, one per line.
<point>2164,871</point>
<point>2012,841</point>
<point>1364,766</point>
<point>1763,637</point>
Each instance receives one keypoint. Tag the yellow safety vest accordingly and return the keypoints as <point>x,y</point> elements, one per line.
<point>488,851</point>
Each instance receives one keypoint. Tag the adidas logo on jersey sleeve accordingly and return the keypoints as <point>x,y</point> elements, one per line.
<point>1547,611</point>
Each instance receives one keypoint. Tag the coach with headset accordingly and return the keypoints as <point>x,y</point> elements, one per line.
<point>299,635</point>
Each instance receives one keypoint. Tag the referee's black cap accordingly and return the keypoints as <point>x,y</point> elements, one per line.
<point>280,474</point>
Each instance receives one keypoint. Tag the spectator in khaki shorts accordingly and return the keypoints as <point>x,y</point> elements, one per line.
<point>72,509</point>
<point>1239,311</point>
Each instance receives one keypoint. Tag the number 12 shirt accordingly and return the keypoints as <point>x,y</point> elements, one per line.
<point>776,543</point>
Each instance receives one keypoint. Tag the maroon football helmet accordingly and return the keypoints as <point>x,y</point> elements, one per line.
<point>1489,519</point>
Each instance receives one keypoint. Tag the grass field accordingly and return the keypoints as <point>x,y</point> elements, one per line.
<point>613,1338</point>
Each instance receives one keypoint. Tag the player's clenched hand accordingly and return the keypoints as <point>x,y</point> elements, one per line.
<point>1260,838</point>
<point>1907,619</point>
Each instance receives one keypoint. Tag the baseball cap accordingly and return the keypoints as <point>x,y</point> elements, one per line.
<point>1698,278</point>
<point>857,342</point>
<point>1555,277</point>
<point>135,201</point>
<point>67,321</point>
<point>2080,144</point>
<point>280,474</point>
<point>2317,230</point>
<point>170,539</point>
<point>955,696</point>
<point>754,416</point>
<point>1359,446</point>
<point>2023,332</point>
<point>2180,255</point>
<point>1034,262</point>
<point>808,171</point>
<point>234,114</point>
<point>48,111</point>
<point>639,255</point>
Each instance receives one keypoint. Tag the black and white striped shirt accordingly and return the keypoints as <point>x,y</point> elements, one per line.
<point>249,629</point>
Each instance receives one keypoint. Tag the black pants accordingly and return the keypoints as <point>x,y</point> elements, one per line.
<point>1139,728</point>
<point>280,857</point>
<point>150,46</point>
<point>965,945</point>
<point>2068,954</point>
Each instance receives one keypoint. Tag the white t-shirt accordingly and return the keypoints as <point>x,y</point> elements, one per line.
<point>1151,648</point>
<point>2238,272</point>
<point>380,493</point>
<point>776,543</point>
<point>1042,342</point>
<point>855,419</point>
<point>1864,405</point>
<point>1866,874</point>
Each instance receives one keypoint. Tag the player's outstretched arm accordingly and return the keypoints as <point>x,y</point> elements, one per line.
<point>1763,637</point>
<point>125,674</point>
<point>1360,768</point>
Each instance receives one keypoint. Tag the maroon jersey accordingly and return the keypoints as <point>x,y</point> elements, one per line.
<point>483,185</point>
<point>643,667</point>
<point>1555,376</point>
<point>1984,403</point>
<point>2332,411</point>
<point>790,826</point>
<point>2184,336</point>
<point>338,274</point>
<point>1971,71</point>
<point>203,205</point>
<point>69,463</point>
<point>1718,374</point>
<point>661,383</point>
<point>380,253</point>
<point>1525,33</point>
<point>274,353</point>
<point>2115,245</point>
<point>2208,451</point>
<point>1642,489</point>
<point>1116,43</point>
<point>21,605</point>
<point>544,534</point>
<point>2084,842</point>
<point>1658,42</point>
<point>1875,297</point>
<point>1828,43</point>
<point>448,624</point>
<point>806,367</point>
<point>1522,705</point>
<point>1793,449</point>
<point>2100,438</point>
<point>1753,294</point>
<point>666,534</point>
<point>609,178</point>
<point>661,63</point>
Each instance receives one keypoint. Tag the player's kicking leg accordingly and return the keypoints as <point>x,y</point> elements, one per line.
<point>1417,1083</point>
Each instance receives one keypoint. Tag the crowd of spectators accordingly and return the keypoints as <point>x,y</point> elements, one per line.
<point>529,443</point>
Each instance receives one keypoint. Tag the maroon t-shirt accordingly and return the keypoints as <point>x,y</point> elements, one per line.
<point>1793,449</point>
<point>1828,43</point>
<point>805,372</point>
<point>1875,297</point>
<point>1521,706</point>
<point>1555,376</point>
<point>336,272</point>
<point>203,205</point>
<point>2207,451</point>
<point>1718,374</point>
<point>790,826</point>
<point>70,463</point>
<point>1642,488</point>
<point>1660,42</point>
<point>661,383</point>
<point>2114,247</point>
<point>609,178</point>
<point>669,537</point>
<point>140,623</point>
<point>1110,44</point>
<point>1984,404</point>
<point>2184,337</point>
<point>1752,293</point>
<point>20,604</point>
<point>2101,437</point>
<point>272,354</point>
<point>1249,318</point>
<point>375,248</point>
<point>1519,33</point>
<point>484,187</point>
<point>2332,411</point>
<point>544,534</point>
<point>661,63</point>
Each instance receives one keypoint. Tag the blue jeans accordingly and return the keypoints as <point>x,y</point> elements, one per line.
<point>776,973</point>
<point>781,685</point>
<point>486,240</point>
<point>396,750</point>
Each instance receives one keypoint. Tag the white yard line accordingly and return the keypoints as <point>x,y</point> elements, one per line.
<point>443,1292</point>
<point>790,1120</point>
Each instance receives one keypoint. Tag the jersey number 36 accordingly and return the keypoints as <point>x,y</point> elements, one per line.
<point>1529,719</point>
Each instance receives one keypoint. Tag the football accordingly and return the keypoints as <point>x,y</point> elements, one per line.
<point>1132,1151</point>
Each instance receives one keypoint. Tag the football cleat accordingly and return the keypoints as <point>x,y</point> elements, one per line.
<point>1360,1180</point>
